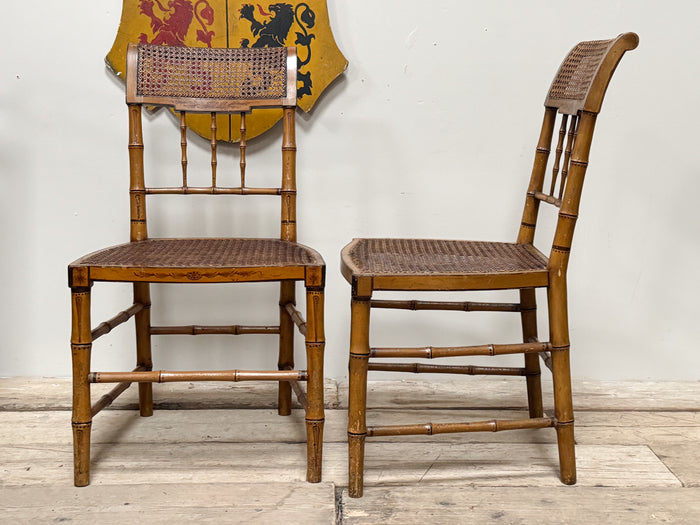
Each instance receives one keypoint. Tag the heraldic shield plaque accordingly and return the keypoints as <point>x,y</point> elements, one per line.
<point>232,23</point>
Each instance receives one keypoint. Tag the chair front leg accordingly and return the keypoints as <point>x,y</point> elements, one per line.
<point>315,345</point>
<point>357,402</point>
<point>81,346</point>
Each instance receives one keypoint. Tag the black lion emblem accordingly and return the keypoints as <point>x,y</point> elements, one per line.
<point>274,31</point>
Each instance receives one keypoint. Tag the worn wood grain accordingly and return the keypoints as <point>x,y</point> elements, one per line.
<point>683,460</point>
<point>23,393</point>
<point>501,464</point>
<point>487,392</point>
<point>440,504</point>
<point>639,457</point>
<point>166,426</point>
<point>246,425</point>
<point>171,503</point>
<point>592,428</point>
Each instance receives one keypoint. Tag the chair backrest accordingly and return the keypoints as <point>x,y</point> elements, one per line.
<point>217,82</point>
<point>575,98</point>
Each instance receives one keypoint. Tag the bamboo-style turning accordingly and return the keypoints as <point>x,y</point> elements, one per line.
<point>434,352</point>
<point>405,265</point>
<point>111,396</point>
<point>429,429</point>
<point>163,376</point>
<point>296,317</point>
<point>547,360</point>
<point>465,306</point>
<point>301,395</point>
<point>120,318</point>
<point>543,197</point>
<point>242,145</point>
<point>183,146</point>
<point>214,330</point>
<point>210,190</point>
<point>214,159</point>
<point>420,368</point>
<point>558,151</point>
<point>219,84</point>
<point>567,155</point>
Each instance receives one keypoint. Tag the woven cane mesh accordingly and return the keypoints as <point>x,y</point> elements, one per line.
<point>428,256</point>
<point>205,253</point>
<point>194,72</point>
<point>578,70</point>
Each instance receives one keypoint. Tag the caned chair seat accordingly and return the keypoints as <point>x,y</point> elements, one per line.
<point>403,265</point>
<point>217,87</point>
<point>190,259</point>
<point>396,263</point>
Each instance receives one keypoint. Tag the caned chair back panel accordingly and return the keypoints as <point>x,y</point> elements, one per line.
<point>206,79</point>
<point>585,73</point>
<point>218,82</point>
<point>571,107</point>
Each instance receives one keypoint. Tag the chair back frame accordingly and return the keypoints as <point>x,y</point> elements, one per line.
<point>202,80</point>
<point>576,96</point>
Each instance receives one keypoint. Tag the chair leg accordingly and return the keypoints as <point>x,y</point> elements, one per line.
<point>561,376</point>
<point>528,318</point>
<point>315,345</point>
<point>286,348</point>
<point>144,360</point>
<point>81,346</point>
<point>357,403</point>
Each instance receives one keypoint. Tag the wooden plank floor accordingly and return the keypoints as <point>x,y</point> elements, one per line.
<point>219,453</point>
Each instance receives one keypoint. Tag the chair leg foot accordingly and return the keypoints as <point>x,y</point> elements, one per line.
<point>356,464</point>
<point>567,453</point>
<point>314,450</point>
<point>146,399</point>
<point>284,399</point>
<point>534,394</point>
<point>81,453</point>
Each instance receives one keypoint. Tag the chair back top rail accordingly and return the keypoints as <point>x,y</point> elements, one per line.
<point>584,75</point>
<point>211,79</point>
<point>575,97</point>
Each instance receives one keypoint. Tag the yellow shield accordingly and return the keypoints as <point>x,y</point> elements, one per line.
<point>231,23</point>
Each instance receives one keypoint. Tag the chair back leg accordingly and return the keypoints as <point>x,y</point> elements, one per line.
<point>561,377</point>
<point>286,348</point>
<point>144,361</point>
<point>528,315</point>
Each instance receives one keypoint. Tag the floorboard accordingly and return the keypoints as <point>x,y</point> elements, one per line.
<point>171,503</point>
<point>523,506</point>
<point>220,453</point>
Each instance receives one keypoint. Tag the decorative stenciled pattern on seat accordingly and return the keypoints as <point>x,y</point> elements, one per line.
<point>578,70</point>
<point>192,72</point>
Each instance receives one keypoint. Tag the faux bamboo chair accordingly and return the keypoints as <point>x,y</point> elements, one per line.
<point>441,265</point>
<point>209,81</point>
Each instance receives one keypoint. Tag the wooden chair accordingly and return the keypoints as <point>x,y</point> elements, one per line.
<point>209,81</point>
<point>448,265</point>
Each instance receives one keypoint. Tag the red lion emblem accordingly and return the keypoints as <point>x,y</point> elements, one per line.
<point>171,24</point>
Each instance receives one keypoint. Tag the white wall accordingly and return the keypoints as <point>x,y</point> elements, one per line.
<point>430,132</point>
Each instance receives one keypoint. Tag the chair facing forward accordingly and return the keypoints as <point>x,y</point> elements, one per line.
<point>440,265</point>
<point>209,81</point>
